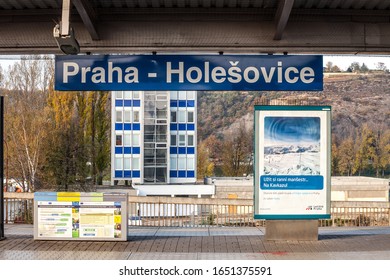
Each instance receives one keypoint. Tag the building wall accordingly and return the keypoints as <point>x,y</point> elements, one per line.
<point>126,131</point>
<point>182,137</point>
<point>129,142</point>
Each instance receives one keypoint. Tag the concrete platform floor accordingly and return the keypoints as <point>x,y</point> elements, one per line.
<point>208,243</point>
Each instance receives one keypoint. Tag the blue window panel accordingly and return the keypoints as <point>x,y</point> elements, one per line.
<point>190,126</point>
<point>173,103</point>
<point>136,174</point>
<point>118,173</point>
<point>136,103</point>
<point>127,103</point>
<point>182,174</point>
<point>182,150</point>
<point>173,126</point>
<point>118,103</point>
<point>127,174</point>
<point>118,150</point>
<point>190,174</point>
<point>190,103</point>
<point>136,126</point>
<point>127,150</point>
<point>173,174</point>
<point>118,126</point>
<point>182,126</point>
<point>173,150</point>
<point>182,103</point>
<point>190,150</point>
<point>127,126</point>
<point>136,150</point>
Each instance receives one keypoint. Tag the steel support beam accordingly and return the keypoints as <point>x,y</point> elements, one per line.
<point>282,14</point>
<point>64,30</point>
<point>88,16</point>
<point>2,235</point>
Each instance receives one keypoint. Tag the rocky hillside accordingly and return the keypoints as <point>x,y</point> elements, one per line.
<point>355,99</point>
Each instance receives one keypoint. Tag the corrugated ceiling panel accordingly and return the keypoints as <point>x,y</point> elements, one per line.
<point>298,4</point>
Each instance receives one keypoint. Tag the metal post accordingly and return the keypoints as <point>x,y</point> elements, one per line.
<point>65,18</point>
<point>2,237</point>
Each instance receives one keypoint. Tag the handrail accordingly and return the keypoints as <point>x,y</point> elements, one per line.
<point>184,211</point>
<point>213,201</point>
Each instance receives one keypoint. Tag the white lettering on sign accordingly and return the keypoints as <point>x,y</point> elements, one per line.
<point>307,75</point>
<point>179,73</point>
<point>100,75</point>
<point>235,74</point>
<point>68,72</point>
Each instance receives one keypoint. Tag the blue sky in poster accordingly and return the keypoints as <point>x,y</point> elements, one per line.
<point>291,130</point>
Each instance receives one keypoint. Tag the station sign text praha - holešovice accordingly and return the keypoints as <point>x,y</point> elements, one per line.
<point>189,72</point>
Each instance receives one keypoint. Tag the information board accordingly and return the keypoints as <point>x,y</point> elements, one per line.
<point>292,162</point>
<point>80,216</point>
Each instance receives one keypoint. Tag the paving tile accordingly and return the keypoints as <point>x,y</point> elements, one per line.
<point>29,255</point>
<point>94,255</point>
<point>195,244</point>
<point>142,231</point>
<point>171,244</point>
<point>120,246</point>
<point>202,243</point>
<point>107,246</point>
<point>235,231</point>
<point>182,232</point>
<point>163,256</point>
<point>220,245</point>
<point>183,244</point>
<point>231,256</point>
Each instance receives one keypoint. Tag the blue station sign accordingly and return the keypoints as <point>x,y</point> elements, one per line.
<point>189,72</point>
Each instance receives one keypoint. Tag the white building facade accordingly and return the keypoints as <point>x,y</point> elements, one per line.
<point>153,137</point>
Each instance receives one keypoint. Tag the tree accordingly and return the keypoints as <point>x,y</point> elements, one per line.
<point>26,120</point>
<point>214,146</point>
<point>384,152</point>
<point>364,68</point>
<point>98,125</point>
<point>329,66</point>
<point>1,76</point>
<point>355,67</point>
<point>205,168</point>
<point>79,141</point>
<point>366,152</point>
<point>381,66</point>
<point>237,152</point>
<point>335,69</point>
<point>335,158</point>
<point>346,157</point>
<point>63,140</point>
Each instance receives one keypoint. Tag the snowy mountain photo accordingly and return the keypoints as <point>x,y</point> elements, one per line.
<point>292,146</point>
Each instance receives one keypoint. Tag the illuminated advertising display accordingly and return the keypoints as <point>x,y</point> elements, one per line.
<point>80,216</point>
<point>292,162</point>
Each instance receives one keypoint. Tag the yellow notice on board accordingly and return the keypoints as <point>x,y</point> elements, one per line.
<point>68,196</point>
<point>117,219</point>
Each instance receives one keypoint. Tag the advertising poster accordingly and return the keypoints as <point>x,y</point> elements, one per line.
<point>292,162</point>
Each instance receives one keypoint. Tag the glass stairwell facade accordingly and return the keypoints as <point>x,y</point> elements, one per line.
<point>153,137</point>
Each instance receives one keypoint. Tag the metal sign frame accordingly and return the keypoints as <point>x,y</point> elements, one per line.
<point>189,72</point>
<point>80,216</point>
<point>292,162</point>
